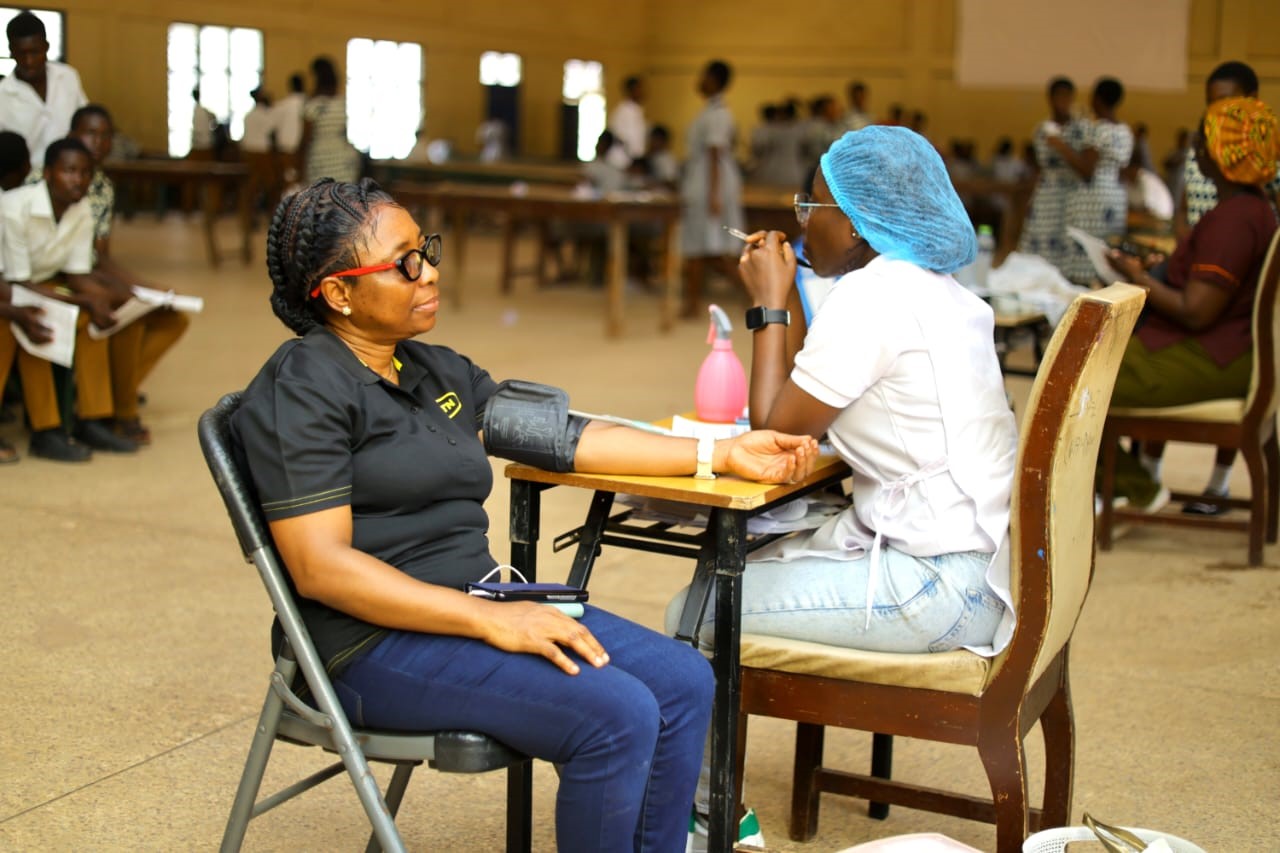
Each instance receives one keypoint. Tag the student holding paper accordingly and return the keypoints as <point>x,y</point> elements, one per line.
<point>39,394</point>
<point>48,247</point>
<point>136,348</point>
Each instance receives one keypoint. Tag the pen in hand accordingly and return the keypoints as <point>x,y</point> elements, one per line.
<point>746,238</point>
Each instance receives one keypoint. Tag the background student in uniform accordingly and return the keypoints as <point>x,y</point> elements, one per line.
<point>48,246</point>
<point>137,348</point>
<point>38,98</point>
<point>39,395</point>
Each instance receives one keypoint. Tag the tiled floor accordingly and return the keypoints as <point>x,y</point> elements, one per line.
<point>136,640</point>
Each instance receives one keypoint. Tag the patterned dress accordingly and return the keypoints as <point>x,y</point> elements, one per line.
<point>1099,206</point>
<point>1043,231</point>
<point>329,154</point>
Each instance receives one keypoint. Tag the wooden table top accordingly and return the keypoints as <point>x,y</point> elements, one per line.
<point>176,168</point>
<point>725,491</point>
<point>542,199</point>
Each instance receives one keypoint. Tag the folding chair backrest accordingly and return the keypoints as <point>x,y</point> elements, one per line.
<point>228,468</point>
<point>1262,398</point>
<point>237,492</point>
<point>1051,522</point>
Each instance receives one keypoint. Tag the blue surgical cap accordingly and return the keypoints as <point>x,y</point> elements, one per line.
<point>894,188</point>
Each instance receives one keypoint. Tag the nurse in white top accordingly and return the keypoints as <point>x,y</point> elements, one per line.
<point>38,99</point>
<point>899,370</point>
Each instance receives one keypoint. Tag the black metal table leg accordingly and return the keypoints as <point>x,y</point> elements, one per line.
<point>526,518</point>
<point>728,531</point>
<point>589,541</point>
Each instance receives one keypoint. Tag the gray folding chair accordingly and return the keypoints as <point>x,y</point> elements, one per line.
<point>288,718</point>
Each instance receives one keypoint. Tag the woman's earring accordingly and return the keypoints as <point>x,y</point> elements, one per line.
<point>346,310</point>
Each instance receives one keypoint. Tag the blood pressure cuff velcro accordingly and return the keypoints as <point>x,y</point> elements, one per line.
<point>530,423</point>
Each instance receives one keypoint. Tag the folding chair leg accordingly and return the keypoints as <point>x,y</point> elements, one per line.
<point>394,796</point>
<point>520,807</point>
<point>251,779</point>
<point>881,768</point>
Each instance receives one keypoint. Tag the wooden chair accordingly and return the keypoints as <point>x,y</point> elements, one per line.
<point>287,718</point>
<point>1247,424</point>
<point>960,697</point>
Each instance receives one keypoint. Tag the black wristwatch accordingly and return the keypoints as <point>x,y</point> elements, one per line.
<point>758,317</point>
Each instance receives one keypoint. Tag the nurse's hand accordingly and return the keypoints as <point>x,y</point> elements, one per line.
<point>768,268</point>
<point>530,628</point>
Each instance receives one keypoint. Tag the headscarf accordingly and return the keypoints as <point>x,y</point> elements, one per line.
<point>894,188</point>
<point>1240,135</point>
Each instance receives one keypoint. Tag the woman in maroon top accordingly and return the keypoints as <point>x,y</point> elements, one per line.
<point>1195,340</point>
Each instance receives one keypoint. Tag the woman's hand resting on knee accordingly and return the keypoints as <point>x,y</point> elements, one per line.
<point>530,628</point>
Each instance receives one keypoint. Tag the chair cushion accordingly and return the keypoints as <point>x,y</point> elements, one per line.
<point>959,671</point>
<point>1217,411</point>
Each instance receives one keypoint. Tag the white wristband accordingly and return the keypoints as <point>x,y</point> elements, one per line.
<point>706,453</point>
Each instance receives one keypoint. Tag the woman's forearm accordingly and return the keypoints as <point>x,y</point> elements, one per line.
<point>773,355</point>
<point>611,449</point>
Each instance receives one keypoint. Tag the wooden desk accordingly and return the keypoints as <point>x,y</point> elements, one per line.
<point>211,177</point>
<point>720,553</point>
<point>1009,323</point>
<point>475,171</point>
<point>539,203</point>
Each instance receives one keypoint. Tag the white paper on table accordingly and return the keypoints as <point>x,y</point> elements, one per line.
<point>1096,249</point>
<point>126,314</point>
<point>60,317</point>
<point>690,428</point>
<point>169,299</point>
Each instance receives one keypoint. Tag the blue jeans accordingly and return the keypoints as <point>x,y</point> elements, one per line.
<point>921,604</point>
<point>629,736</point>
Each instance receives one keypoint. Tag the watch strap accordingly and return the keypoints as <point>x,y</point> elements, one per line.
<point>759,317</point>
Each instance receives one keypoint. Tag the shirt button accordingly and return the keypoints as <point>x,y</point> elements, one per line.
<point>452,441</point>
<point>415,409</point>
<point>431,427</point>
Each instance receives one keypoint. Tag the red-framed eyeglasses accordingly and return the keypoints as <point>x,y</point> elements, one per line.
<point>410,264</point>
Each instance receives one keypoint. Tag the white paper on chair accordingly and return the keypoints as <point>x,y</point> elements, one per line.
<point>126,314</point>
<point>1096,249</point>
<point>60,317</point>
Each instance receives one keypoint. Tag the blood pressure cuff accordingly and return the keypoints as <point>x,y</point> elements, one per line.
<point>530,423</point>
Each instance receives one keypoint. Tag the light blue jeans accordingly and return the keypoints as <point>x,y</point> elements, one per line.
<point>921,604</point>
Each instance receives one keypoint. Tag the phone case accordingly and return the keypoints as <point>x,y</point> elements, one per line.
<point>501,591</point>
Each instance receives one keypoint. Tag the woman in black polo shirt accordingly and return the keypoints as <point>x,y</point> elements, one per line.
<point>364,450</point>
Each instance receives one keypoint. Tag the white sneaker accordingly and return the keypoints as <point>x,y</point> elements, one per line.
<point>1157,503</point>
<point>749,834</point>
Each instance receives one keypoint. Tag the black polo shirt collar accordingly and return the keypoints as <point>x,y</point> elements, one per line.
<point>411,371</point>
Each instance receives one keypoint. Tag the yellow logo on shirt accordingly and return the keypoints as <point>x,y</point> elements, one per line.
<point>450,404</point>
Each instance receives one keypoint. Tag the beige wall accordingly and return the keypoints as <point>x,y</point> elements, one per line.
<point>902,48</point>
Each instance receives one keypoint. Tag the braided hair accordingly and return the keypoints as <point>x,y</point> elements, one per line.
<point>313,233</point>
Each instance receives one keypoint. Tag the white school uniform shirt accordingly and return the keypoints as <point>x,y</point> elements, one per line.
<point>908,357</point>
<point>202,124</point>
<point>41,122</point>
<point>36,248</point>
<point>258,124</point>
<point>628,126</point>
<point>287,116</point>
